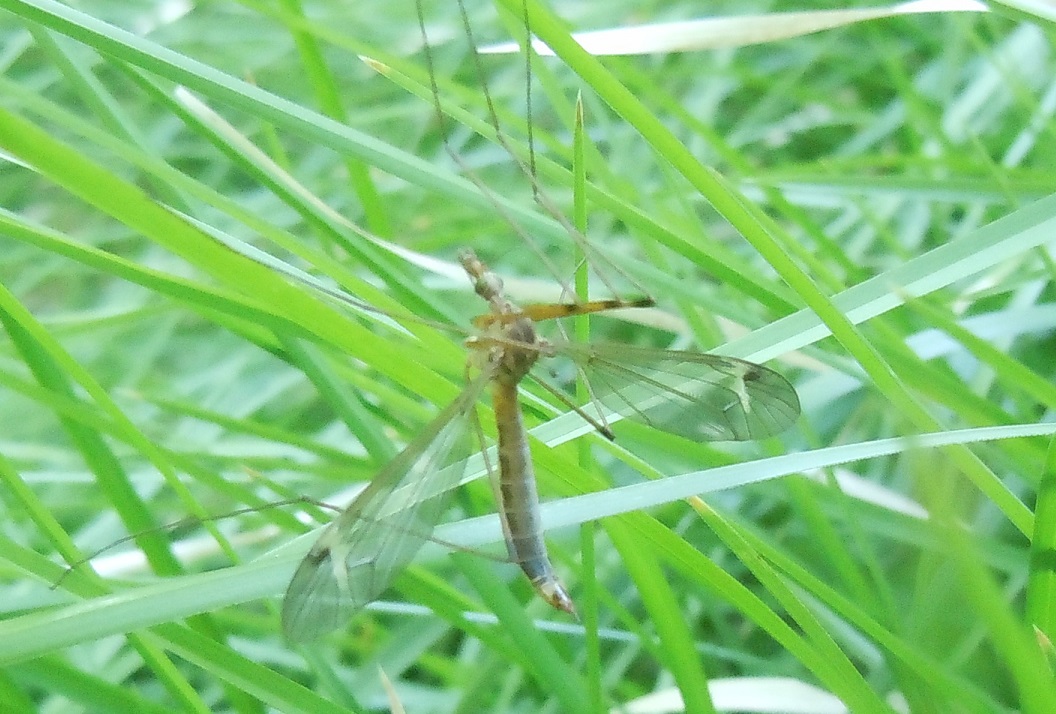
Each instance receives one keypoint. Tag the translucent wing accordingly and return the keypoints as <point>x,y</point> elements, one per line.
<point>371,541</point>
<point>700,396</point>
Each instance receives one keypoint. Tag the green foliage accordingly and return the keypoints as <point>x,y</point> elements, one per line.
<point>869,210</point>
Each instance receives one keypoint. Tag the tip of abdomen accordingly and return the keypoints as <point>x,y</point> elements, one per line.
<point>551,590</point>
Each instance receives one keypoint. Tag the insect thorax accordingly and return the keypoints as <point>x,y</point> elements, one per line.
<point>516,360</point>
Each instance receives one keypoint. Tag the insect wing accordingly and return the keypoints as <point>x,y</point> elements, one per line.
<point>700,396</point>
<point>360,553</point>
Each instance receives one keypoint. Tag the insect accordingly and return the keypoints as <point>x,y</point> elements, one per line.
<point>700,396</point>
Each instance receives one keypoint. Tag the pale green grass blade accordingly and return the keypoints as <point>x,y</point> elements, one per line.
<point>733,31</point>
<point>676,643</point>
<point>1041,590</point>
<point>542,660</point>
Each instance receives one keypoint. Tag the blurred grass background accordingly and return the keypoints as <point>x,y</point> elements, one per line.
<point>867,209</point>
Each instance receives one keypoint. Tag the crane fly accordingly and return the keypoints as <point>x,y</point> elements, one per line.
<point>695,395</point>
<point>702,396</point>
